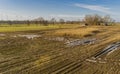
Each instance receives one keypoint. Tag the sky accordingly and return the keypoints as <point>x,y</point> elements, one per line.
<point>66,9</point>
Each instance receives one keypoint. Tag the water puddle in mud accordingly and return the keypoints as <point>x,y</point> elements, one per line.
<point>68,42</point>
<point>73,42</point>
<point>77,42</point>
<point>56,39</point>
<point>28,36</point>
<point>2,34</point>
<point>108,49</point>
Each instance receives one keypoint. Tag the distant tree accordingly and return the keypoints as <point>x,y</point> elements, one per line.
<point>53,21</point>
<point>45,23</point>
<point>10,23</point>
<point>97,20</point>
<point>107,20</point>
<point>28,22</point>
<point>39,20</point>
<point>88,20</point>
<point>36,22</point>
<point>62,21</point>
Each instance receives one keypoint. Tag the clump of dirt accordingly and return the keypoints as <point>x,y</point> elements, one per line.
<point>96,31</point>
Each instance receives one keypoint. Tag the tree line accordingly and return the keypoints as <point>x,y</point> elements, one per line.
<point>98,20</point>
<point>44,22</point>
<point>88,20</point>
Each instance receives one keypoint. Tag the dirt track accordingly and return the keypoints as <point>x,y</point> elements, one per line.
<point>39,55</point>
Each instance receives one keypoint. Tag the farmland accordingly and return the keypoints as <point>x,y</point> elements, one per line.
<point>59,49</point>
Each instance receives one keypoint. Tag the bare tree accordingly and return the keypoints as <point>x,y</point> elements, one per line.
<point>88,20</point>
<point>53,20</point>
<point>28,22</point>
<point>97,19</point>
<point>10,23</point>
<point>45,23</point>
<point>39,20</point>
<point>107,20</point>
<point>62,21</point>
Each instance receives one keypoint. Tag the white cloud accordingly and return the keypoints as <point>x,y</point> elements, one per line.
<point>11,15</point>
<point>67,16</point>
<point>94,7</point>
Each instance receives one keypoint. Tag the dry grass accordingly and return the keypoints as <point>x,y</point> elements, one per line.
<point>41,60</point>
<point>38,56</point>
<point>33,27</point>
<point>81,32</point>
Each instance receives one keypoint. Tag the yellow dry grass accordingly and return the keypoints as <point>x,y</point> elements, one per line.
<point>81,32</point>
<point>33,27</point>
<point>41,60</point>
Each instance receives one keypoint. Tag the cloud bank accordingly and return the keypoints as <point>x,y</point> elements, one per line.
<point>94,7</point>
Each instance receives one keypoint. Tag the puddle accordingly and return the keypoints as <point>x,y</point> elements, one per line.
<point>96,61</point>
<point>73,42</point>
<point>80,42</point>
<point>109,49</point>
<point>2,34</point>
<point>56,39</point>
<point>28,36</point>
<point>90,60</point>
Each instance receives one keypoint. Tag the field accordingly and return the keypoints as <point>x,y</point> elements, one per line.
<point>59,49</point>
<point>32,27</point>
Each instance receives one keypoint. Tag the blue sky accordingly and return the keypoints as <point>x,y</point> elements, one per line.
<point>67,9</point>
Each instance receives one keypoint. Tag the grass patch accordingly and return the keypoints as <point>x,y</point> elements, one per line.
<point>14,28</point>
<point>81,32</point>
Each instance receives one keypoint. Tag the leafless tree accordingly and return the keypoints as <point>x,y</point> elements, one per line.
<point>28,22</point>
<point>62,21</point>
<point>97,19</point>
<point>107,20</point>
<point>53,20</point>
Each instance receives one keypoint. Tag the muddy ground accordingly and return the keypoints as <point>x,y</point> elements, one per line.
<point>36,52</point>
